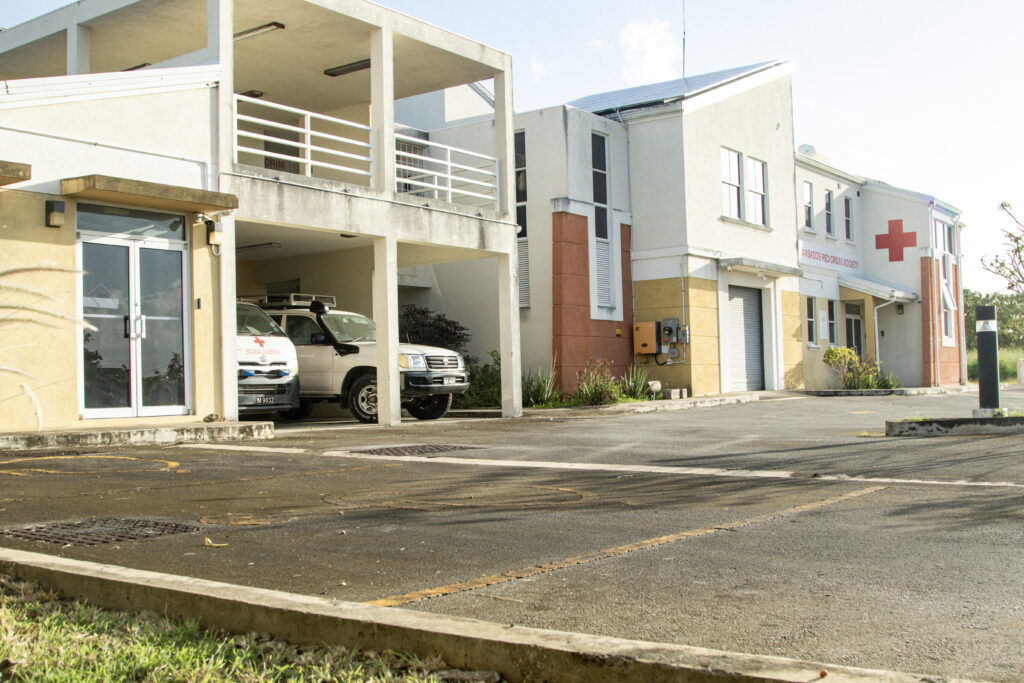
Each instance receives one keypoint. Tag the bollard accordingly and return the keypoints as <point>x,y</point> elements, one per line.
<point>988,361</point>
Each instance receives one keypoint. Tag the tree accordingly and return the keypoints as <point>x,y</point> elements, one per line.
<point>1010,266</point>
<point>420,325</point>
<point>1010,308</point>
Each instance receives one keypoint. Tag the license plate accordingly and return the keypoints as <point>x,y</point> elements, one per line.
<point>264,400</point>
<point>451,380</point>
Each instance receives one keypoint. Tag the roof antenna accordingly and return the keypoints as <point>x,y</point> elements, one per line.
<point>684,38</point>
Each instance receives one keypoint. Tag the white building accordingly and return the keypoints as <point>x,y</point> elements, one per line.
<point>143,119</point>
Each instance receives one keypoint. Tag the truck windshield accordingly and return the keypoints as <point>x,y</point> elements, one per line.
<point>350,327</point>
<point>253,321</point>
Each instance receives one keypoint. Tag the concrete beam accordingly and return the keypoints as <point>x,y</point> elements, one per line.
<point>385,314</point>
<point>78,49</point>
<point>519,654</point>
<point>13,172</point>
<point>508,333</point>
<point>382,108</point>
<point>147,194</point>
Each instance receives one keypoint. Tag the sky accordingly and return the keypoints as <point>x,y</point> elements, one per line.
<point>922,94</point>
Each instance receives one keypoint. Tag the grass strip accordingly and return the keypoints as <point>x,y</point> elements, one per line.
<point>44,637</point>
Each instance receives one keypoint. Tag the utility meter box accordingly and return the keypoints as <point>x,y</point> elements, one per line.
<point>645,338</point>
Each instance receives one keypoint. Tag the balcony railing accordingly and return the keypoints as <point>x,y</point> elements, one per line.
<point>435,171</point>
<point>282,138</point>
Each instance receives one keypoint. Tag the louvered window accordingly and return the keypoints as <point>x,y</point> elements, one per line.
<point>523,244</point>
<point>603,267</point>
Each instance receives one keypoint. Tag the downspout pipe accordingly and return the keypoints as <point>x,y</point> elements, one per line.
<point>878,349</point>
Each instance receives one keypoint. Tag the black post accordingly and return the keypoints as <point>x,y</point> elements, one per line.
<point>988,357</point>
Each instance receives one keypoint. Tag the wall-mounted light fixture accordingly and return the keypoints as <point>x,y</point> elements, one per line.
<point>899,309</point>
<point>258,30</point>
<point>349,68</point>
<point>54,213</point>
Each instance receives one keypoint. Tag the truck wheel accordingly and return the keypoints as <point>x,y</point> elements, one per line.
<point>362,399</point>
<point>430,407</point>
<point>300,413</point>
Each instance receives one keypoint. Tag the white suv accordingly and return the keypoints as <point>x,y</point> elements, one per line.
<point>337,353</point>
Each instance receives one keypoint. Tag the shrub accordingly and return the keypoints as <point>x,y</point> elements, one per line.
<point>540,389</point>
<point>1007,369</point>
<point>484,385</point>
<point>854,373</point>
<point>595,384</point>
<point>633,384</point>
<point>420,325</point>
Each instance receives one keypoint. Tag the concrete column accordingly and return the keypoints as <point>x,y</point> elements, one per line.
<point>78,49</point>
<point>508,331</point>
<point>220,41</point>
<point>504,134</point>
<point>385,314</point>
<point>382,108</point>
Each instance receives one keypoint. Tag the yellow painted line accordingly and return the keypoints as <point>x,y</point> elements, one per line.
<point>395,600</point>
<point>168,465</point>
<point>863,412</point>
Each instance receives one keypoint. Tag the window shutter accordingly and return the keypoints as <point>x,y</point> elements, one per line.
<point>603,263</point>
<point>524,273</point>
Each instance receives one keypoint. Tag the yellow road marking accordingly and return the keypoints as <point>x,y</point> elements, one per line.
<point>863,412</point>
<point>395,600</point>
<point>168,464</point>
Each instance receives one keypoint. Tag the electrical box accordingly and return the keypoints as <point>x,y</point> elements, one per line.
<point>645,337</point>
<point>669,332</point>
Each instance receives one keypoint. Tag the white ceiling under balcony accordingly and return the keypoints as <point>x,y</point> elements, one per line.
<point>287,65</point>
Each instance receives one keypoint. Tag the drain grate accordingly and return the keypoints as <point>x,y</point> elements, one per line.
<point>415,449</point>
<point>98,531</point>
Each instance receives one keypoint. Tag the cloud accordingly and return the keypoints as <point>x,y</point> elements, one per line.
<point>650,52</point>
<point>596,44</point>
<point>538,68</point>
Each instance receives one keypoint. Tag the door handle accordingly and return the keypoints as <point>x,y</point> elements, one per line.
<point>142,327</point>
<point>128,334</point>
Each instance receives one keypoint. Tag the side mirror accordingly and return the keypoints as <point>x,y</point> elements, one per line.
<point>346,349</point>
<point>318,338</point>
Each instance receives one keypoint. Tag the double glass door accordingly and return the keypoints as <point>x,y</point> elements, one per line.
<point>135,363</point>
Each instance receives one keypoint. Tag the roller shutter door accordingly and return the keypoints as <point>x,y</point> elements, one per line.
<point>744,342</point>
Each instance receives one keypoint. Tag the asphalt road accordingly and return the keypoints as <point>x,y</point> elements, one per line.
<point>786,527</point>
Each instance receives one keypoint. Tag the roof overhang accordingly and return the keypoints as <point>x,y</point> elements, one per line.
<point>146,194</point>
<point>877,288</point>
<point>757,267</point>
<point>13,172</point>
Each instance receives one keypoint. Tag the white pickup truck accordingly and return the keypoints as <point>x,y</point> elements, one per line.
<point>337,352</point>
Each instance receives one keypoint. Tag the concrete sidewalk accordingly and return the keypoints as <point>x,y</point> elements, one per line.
<point>100,436</point>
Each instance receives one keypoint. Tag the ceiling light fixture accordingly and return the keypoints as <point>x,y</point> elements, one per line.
<point>252,93</point>
<point>261,245</point>
<point>347,68</point>
<point>258,30</point>
<point>137,67</point>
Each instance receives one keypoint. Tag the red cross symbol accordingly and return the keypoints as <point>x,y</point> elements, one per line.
<point>259,342</point>
<point>896,240</point>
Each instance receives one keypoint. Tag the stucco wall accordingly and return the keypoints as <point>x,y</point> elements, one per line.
<point>345,274</point>
<point>792,341</point>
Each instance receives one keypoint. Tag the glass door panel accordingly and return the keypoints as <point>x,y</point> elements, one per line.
<point>107,350</point>
<point>161,327</point>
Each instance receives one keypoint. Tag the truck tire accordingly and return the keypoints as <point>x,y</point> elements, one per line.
<point>362,398</point>
<point>300,413</point>
<point>430,407</point>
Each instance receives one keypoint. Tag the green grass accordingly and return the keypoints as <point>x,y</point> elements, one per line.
<point>1007,364</point>
<point>46,638</point>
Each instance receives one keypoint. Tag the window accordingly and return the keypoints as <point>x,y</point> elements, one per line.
<point>810,321</point>
<point>808,206</point>
<point>301,329</point>
<point>829,230</point>
<point>731,185</point>
<point>523,263</point>
<point>944,244</point>
<point>848,216</point>
<point>411,163</point>
<point>832,322</point>
<point>757,197</point>
<point>602,245</point>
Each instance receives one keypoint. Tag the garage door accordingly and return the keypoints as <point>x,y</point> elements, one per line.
<point>744,344</point>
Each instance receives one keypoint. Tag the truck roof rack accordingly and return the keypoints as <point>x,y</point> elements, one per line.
<point>293,299</point>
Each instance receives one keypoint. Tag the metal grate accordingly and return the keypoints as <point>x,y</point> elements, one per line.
<point>415,449</point>
<point>98,531</point>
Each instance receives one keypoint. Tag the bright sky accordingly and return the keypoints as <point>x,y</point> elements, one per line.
<point>922,94</point>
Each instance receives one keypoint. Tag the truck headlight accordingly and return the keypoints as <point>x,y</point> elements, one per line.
<point>411,360</point>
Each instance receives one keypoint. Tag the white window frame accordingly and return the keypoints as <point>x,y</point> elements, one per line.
<point>522,242</point>
<point>830,225</point>
<point>732,183</point>
<point>832,331</point>
<point>808,206</point>
<point>756,195</point>
<point>944,237</point>
<point>603,251</point>
<point>848,218</point>
<point>812,325</point>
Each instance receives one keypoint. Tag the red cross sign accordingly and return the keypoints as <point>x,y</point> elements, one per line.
<point>259,342</point>
<point>896,240</point>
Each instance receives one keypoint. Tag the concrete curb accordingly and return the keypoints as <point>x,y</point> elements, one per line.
<point>164,434</point>
<point>660,405</point>
<point>519,654</point>
<point>953,426</point>
<point>902,391</point>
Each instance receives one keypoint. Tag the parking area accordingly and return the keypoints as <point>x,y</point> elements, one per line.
<point>784,527</point>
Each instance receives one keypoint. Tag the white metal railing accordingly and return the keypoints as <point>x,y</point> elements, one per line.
<point>303,142</point>
<point>432,170</point>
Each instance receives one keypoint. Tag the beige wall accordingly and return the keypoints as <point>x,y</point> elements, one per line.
<point>344,274</point>
<point>792,340</point>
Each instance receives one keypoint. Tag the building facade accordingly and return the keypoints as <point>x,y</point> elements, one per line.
<point>157,161</point>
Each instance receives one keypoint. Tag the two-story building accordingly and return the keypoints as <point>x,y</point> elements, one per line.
<point>881,275</point>
<point>158,158</point>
